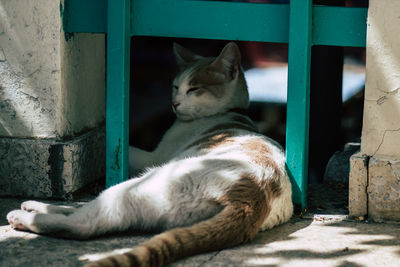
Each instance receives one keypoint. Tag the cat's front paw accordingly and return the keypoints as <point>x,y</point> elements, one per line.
<point>34,206</point>
<point>20,219</point>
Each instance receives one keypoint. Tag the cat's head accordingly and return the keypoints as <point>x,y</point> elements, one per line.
<point>207,86</point>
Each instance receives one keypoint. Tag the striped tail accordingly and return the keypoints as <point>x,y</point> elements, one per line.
<point>246,207</point>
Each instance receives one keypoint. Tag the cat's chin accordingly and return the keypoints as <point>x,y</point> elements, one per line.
<point>184,117</point>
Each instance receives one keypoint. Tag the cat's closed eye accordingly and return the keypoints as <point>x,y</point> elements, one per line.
<point>193,89</point>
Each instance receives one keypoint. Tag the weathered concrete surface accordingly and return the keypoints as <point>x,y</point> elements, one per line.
<point>50,168</point>
<point>374,188</point>
<point>83,82</point>
<point>384,189</point>
<point>30,71</point>
<point>380,140</point>
<point>49,87</point>
<point>52,89</point>
<point>319,240</point>
<point>381,124</point>
<point>358,182</point>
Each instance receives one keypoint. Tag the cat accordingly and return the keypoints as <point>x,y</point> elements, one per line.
<point>213,182</point>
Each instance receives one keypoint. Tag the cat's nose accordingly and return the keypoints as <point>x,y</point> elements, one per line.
<point>175,104</point>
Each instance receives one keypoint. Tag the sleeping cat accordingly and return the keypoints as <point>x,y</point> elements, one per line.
<point>213,182</point>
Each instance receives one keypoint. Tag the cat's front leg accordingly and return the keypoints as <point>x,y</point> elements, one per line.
<point>113,210</point>
<point>58,225</point>
<point>54,224</point>
<point>22,220</point>
<point>39,207</point>
<point>27,217</point>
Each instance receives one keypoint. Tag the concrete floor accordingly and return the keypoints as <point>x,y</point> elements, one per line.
<point>309,240</point>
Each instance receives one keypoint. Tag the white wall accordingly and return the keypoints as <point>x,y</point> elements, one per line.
<point>374,185</point>
<point>381,126</point>
<point>52,102</point>
<point>49,87</point>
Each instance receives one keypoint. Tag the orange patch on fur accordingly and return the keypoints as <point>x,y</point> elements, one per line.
<point>260,154</point>
<point>248,196</point>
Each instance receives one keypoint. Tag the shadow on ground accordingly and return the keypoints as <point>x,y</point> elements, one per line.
<point>331,242</point>
<point>27,249</point>
<point>315,239</point>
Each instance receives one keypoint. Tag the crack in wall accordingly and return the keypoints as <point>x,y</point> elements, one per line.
<point>366,162</point>
<point>395,91</point>
<point>383,139</point>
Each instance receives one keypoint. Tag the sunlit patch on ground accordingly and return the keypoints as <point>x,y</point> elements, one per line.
<point>102,255</point>
<point>312,239</point>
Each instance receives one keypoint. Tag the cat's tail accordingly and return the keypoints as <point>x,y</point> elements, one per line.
<point>246,207</point>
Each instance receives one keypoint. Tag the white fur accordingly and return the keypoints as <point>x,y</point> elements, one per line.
<point>179,182</point>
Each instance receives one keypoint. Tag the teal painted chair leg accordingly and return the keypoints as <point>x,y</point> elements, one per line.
<point>117,105</point>
<point>339,26</point>
<point>298,99</point>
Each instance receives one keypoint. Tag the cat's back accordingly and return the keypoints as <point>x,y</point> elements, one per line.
<point>232,134</point>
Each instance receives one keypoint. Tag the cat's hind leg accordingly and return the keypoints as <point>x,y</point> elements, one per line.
<point>40,207</point>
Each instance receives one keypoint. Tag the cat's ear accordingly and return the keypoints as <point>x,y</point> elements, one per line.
<point>184,56</point>
<point>228,61</point>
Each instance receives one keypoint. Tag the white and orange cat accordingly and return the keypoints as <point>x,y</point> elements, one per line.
<point>213,182</point>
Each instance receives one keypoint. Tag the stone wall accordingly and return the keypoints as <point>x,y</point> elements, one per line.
<point>52,102</point>
<point>48,168</point>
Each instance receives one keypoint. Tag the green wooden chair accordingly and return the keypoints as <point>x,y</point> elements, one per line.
<point>299,23</point>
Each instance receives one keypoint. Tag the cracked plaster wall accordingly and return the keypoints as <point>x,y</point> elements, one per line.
<point>374,182</point>
<point>83,82</point>
<point>30,68</point>
<point>381,125</point>
<point>52,102</point>
<point>49,87</point>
